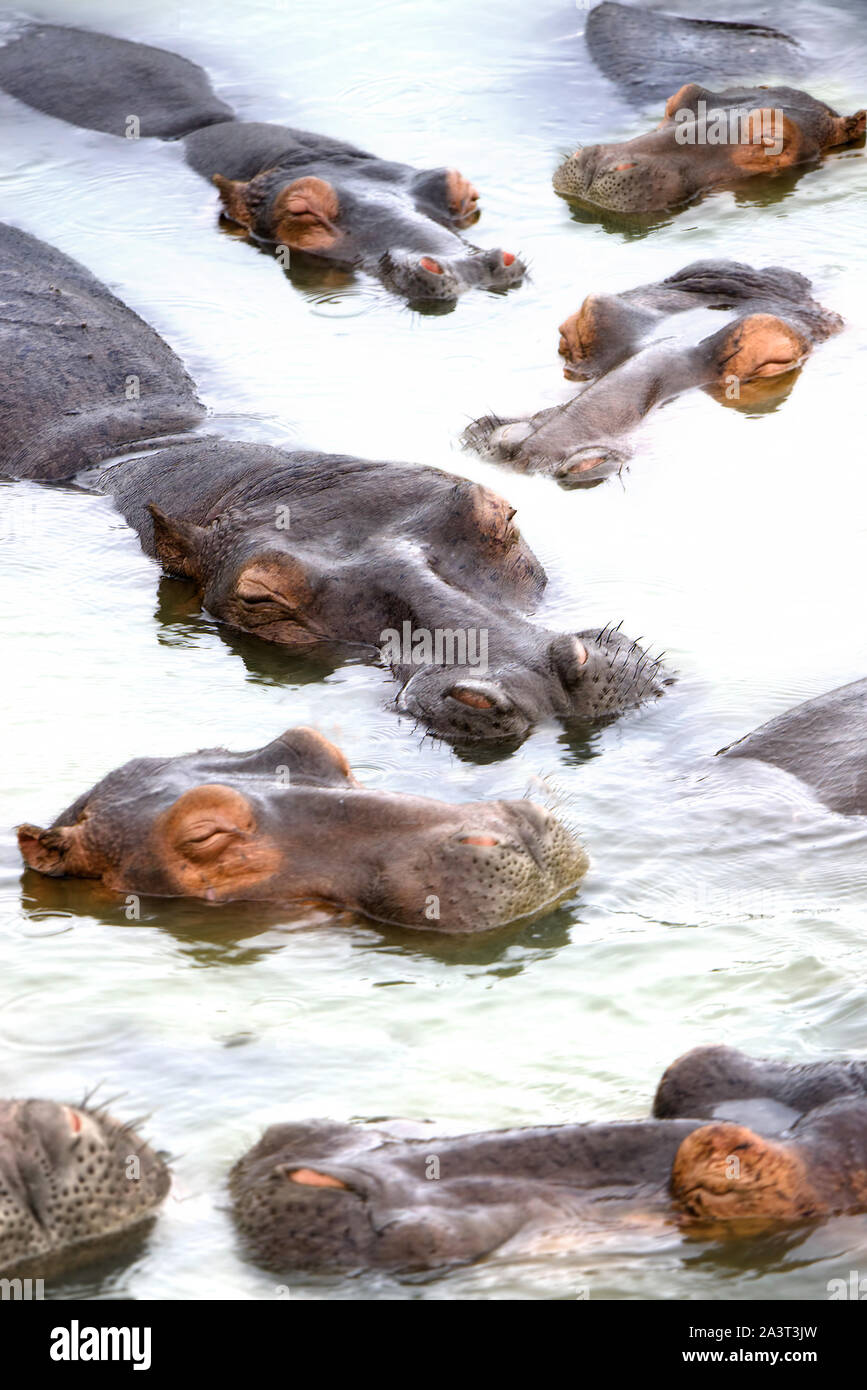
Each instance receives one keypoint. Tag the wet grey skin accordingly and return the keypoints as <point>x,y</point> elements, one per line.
<point>617,344</point>
<point>69,1194</point>
<point>702,1083</point>
<point>681,159</point>
<point>292,188</point>
<point>327,1196</point>
<point>302,550</point>
<point>289,824</point>
<point>648,54</point>
<point>823,742</point>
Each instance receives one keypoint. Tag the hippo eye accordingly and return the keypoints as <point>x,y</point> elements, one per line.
<point>207,843</point>
<point>474,698</point>
<point>252,592</point>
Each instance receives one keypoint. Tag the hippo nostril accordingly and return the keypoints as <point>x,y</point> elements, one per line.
<point>474,698</point>
<point>508,258</point>
<point>428,263</point>
<point>619,167</point>
<point>74,1121</point>
<point>488,841</point>
<point>308,1177</point>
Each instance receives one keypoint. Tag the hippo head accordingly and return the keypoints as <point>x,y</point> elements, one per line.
<point>410,544</point>
<point>705,138</point>
<point>726,1176</point>
<point>319,1195</point>
<point>417,554</point>
<point>383,218</point>
<point>73,1184</point>
<point>288,823</point>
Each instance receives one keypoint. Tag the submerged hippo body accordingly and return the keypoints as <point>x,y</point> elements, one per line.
<point>301,549</point>
<point>289,824</point>
<point>324,1195</point>
<point>291,188</point>
<point>75,1186</point>
<point>823,743</point>
<point>625,346</point>
<point>649,53</point>
<point>706,140</point>
<point>704,1081</point>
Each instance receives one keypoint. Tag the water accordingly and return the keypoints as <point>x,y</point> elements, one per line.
<point>720,910</point>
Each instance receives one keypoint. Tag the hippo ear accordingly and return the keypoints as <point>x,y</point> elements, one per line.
<point>177,544</point>
<point>46,851</point>
<point>846,128</point>
<point>235,197</point>
<point>315,760</point>
<point>686,99</point>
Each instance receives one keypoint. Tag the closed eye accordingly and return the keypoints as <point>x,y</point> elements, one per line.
<point>207,843</point>
<point>253,593</point>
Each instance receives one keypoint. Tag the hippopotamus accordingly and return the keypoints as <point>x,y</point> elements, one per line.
<point>323,1195</point>
<point>411,566</point>
<point>625,346</point>
<point>648,53</point>
<point>76,1185</point>
<point>706,140</point>
<point>288,823</point>
<point>823,743</point>
<point>295,191</point>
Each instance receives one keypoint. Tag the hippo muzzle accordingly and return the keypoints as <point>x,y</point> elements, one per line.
<point>607,177</point>
<point>74,1184</point>
<point>420,278</point>
<point>588,676</point>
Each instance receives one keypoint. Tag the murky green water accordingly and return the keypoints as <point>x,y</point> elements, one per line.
<point>715,911</point>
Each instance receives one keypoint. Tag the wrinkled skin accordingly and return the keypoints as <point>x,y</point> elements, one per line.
<point>321,1195</point>
<point>299,549</point>
<point>649,53</point>
<point>289,188</point>
<point>668,168</point>
<point>823,742</point>
<point>288,823</point>
<point>624,346</point>
<point>68,1194</point>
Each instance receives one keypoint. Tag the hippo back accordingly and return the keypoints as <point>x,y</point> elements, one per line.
<point>99,82</point>
<point>650,54</point>
<point>83,377</point>
<point>823,742</point>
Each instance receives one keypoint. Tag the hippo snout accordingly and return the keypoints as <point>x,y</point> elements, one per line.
<point>505,862</point>
<point>464,707</point>
<point>433,278</point>
<point>65,1182</point>
<point>609,177</point>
